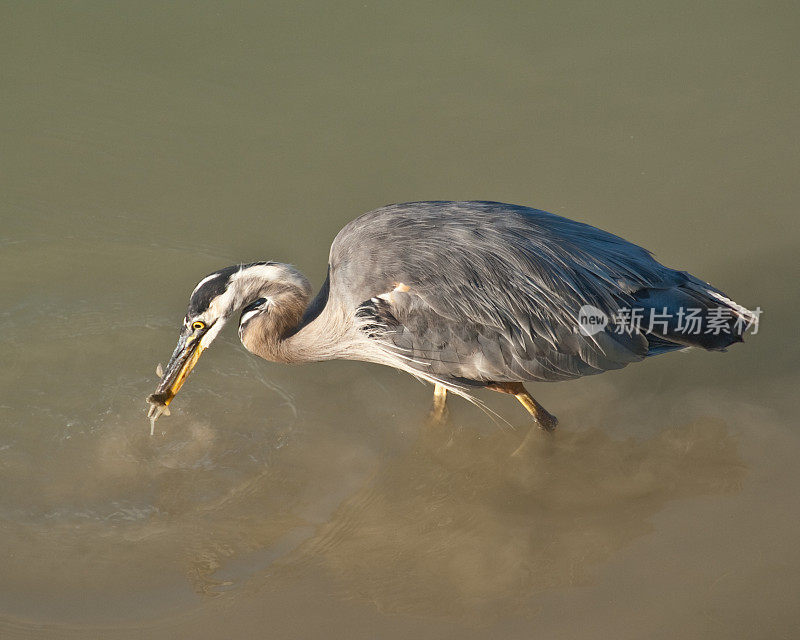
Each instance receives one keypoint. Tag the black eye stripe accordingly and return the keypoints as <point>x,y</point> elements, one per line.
<point>202,297</point>
<point>215,285</point>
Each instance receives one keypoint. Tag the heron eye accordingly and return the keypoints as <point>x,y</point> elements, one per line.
<point>198,325</point>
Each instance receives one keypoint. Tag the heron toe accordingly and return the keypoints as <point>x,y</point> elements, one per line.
<point>545,419</point>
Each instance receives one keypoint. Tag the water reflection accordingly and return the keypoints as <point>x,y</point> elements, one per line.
<point>453,525</point>
<point>460,526</point>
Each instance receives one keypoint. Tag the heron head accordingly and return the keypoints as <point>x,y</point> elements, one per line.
<point>213,301</point>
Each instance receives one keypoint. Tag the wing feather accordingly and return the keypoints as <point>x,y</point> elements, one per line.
<point>485,291</point>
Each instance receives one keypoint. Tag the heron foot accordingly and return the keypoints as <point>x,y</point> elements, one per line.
<point>439,412</point>
<point>542,416</point>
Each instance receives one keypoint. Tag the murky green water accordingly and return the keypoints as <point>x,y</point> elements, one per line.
<point>147,144</point>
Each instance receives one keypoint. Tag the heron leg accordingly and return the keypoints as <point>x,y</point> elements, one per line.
<point>438,414</point>
<point>543,417</point>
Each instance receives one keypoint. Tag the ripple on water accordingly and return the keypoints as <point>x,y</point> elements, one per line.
<point>84,483</point>
<point>101,521</point>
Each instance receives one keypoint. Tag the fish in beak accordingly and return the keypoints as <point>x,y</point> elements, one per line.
<point>183,359</point>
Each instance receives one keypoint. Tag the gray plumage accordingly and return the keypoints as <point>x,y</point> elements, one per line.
<point>495,290</point>
<point>463,294</point>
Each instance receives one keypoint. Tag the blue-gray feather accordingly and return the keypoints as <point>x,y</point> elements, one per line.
<point>494,291</point>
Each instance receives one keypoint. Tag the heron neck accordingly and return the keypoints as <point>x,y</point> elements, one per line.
<point>317,333</point>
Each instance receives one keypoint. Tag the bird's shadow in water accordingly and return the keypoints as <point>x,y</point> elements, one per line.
<point>459,526</point>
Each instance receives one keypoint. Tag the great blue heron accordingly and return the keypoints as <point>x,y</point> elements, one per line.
<point>464,295</point>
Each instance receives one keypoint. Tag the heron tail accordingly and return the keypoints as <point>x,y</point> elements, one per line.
<point>691,314</point>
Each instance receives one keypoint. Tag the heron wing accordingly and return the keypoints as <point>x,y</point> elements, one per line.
<point>467,352</point>
<point>495,290</point>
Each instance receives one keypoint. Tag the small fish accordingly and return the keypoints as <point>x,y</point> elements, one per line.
<point>156,410</point>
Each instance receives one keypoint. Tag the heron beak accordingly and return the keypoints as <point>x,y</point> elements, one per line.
<point>183,359</point>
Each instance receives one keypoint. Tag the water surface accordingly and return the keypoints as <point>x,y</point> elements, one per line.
<point>145,145</point>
